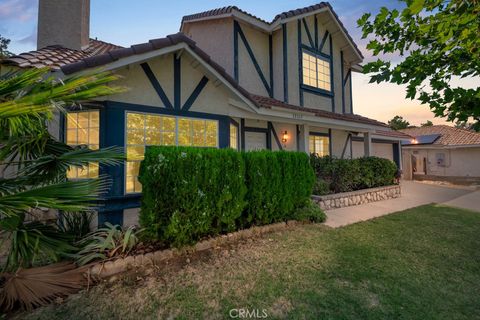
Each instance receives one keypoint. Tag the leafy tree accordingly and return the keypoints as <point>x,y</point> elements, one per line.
<point>4,42</point>
<point>28,101</point>
<point>398,123</point>
<point>427,124</point>
<point>468,125</point>
<point>438,40</point>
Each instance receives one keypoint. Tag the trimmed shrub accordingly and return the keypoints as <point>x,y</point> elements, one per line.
<point>344,175</point>
<point>277,184</point>
<point>310,212</point>
<point>189,193</point>
<point>321,187</point>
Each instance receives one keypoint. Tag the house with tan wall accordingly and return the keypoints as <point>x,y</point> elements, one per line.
<point>227,80</point>
<point>442,153</point>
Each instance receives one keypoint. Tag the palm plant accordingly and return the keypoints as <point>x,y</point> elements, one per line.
<point>28,101</point>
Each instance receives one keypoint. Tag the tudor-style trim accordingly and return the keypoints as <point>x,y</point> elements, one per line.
<point>300,63</point>
<point>275,136</point>
<point>396,154</point>
<point>242,134</point>
<point>309,35</point>
<point>330,145</point>
<point>317,91</point>
<point>351,91</point>
<point>315,22</point>
<point>196,92</point>
<point>332,77</point>
<point>324,40</point>
<point>270,63</point>
<point>349,136</point>
<point>235,53</point>
<point>156,85</point>
<point>343,82</point>
<point>238,30</point>
<point>177,81</point>
<point>297,137</point>
<point>285,63</point>
<point>318,134</point>
<point>315,52</point>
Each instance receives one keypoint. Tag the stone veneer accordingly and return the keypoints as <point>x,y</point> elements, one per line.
<point>347,199</point>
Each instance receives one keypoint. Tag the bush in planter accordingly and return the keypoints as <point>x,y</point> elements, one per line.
<point>189,193</point>
<point>345,175</point>
<point>277,184</point>
<point>310,212</point>
<point>321,187</point>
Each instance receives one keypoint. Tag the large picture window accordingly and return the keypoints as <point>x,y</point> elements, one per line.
<point>320,145</point>
<point>152,129</point>
<point>82,128</point>
<point>316,71</point>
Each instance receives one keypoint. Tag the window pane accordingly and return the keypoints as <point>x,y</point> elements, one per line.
<point>153,137</point>
<point>152,122</point>
<point>93,170</point>
<point>72,136</point>
<point>135,121</point>
<point>168,124</point>
<point>94,119</point>
<point>93,136</point>
<point>184,132</point>
<point>83,119</point>
<point>82,136</point>
<point>169,138</point>
<point>71,120</point>
<point>135,152</point>
<point>135,137</point>
<point>233,137</point>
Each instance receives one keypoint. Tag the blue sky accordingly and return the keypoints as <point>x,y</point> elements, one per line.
<point>126,22</point>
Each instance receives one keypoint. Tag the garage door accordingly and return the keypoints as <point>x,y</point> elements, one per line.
<point>255,141</point>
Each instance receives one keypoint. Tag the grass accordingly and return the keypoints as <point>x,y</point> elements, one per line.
<point>423,263</point>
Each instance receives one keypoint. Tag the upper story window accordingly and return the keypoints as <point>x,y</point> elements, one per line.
<point>316,71</point>
<point>152,129</point>
<point>82,128</point>
<point>319,145</point>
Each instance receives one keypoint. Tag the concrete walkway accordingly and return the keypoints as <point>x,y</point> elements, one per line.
<point>414,194</point>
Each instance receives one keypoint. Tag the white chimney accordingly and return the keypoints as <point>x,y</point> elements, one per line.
<point>63,22</point>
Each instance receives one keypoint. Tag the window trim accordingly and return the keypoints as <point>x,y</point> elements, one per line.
<point>236,124</point>
<point>325,58</point>
<point>125,132</point>
<point>321,135</point>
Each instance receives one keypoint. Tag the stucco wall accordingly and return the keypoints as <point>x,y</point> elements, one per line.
<point>461,162</point>
<point>339,138</point>
<point>381,150</point>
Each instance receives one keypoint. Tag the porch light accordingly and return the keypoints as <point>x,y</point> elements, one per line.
<point>285,137</point>
<point>414,141</point>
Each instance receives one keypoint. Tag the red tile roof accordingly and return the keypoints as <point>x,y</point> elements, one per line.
<point>449,136</point>
<point>57,56</point>
<point>267,102</point>
<point>281,16</point>
<point>393,134</point>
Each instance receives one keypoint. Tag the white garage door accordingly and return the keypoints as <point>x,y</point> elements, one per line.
<point>255,141</point>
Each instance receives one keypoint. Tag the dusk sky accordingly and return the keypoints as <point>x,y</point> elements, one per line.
<point>125,22</point>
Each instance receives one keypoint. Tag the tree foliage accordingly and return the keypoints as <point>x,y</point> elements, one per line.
<point>428,123</point>
<point>4,53</point>
<point>398,123</point>
<point>28,101</point>
<point>438,41</point>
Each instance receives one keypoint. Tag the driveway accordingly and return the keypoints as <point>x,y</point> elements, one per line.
<point>414,194</point>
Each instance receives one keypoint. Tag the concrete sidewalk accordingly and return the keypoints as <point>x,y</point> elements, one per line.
<point>414,194</point>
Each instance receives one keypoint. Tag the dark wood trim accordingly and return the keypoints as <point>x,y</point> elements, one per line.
<point>343,83</point>
<point>330,145</point>
<point>316,31</point>
<point>300,62</point>
<point>156,85</point>
<point>316,91</point>
<point>270,60</point>
<point>318,134</point>
<point>309,35</point>
<point>345,146</point>
<point>196,92</point>
<point>275,136</point>
<point>242,133</point>
<point>239,31</point>
<point>177,80</point>
<point>324,40</point>
<point>235,52</point>
<point>285,63</point>
<point>332,77</point>
<point>315,52</point>
<point>351,92</point>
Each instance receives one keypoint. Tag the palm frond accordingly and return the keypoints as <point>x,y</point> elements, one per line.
<point>75,195</point>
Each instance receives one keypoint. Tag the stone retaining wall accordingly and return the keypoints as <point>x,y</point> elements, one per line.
<point>347,199</point>
<point>114,267</point>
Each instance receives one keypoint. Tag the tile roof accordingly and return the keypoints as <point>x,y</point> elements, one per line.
<point>449,136</point>
<point>278,17</point>
<point>267,102</point>
<point>393,134</point>
<point>57,56</point>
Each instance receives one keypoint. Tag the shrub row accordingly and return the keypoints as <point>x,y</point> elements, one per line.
<point>190,193</point>
<point>344,175</point>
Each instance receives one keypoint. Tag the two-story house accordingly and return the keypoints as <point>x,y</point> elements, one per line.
<point>228,80</point>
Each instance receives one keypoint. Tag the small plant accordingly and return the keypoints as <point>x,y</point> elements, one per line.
<point>321,187</point>
<point>76,224</point>
<point>106,243</point>
<point>310,212</point>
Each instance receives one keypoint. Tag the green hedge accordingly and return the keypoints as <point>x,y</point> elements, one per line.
<point>344,175</point>
<point>190,193</point>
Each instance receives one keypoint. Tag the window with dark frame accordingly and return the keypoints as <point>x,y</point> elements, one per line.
<point>316,71</point>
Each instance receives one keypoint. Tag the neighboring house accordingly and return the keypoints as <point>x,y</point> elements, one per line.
<point>442,153</point>
<point>229,79</point>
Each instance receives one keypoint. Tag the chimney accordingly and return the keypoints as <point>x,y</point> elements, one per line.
<point>64,23</point>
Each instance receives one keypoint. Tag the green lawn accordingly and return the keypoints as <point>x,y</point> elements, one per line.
<point>422,263</point>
